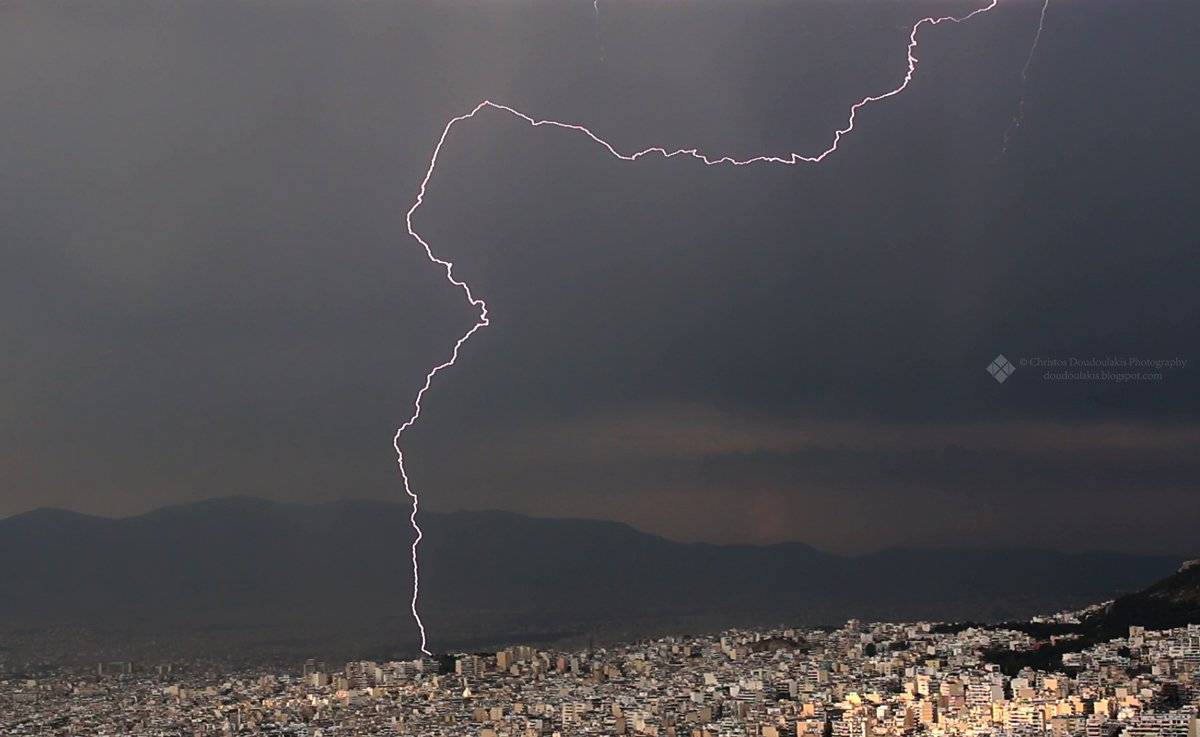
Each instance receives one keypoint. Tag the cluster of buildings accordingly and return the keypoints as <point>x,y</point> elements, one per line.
<point>861,680</point>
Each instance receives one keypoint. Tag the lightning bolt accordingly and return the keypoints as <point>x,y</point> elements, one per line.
<point>599,38</point>
<point>1019,116</point>
<point>482,320</point>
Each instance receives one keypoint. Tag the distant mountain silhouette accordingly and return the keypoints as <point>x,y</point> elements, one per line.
<point>267,579</point>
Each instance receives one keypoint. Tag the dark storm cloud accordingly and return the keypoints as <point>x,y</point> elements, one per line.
<point>208,289</point>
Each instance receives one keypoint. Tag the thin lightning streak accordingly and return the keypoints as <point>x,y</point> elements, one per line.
<point>482,320</point>
<point>1019,118</point>
<point>599,37</point>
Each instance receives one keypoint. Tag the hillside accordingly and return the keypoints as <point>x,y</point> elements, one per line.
<point>1172,602</point>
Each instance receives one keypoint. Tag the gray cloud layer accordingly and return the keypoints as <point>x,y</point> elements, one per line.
<point>207,288</point>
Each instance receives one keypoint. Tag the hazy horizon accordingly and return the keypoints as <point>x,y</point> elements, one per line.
<point>1183,554</point>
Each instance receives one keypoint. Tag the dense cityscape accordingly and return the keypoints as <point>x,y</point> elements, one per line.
<point>857,680</point>
<point>421,368</point>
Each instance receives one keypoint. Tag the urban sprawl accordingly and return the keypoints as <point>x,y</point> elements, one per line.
<point>860,680</point>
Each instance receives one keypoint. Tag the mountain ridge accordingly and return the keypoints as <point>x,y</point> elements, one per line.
<point>223,503</point>
<point>284,579</point>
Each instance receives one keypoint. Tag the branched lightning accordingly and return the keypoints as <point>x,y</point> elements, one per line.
<point>482,320</point>
<point>1019,117</point>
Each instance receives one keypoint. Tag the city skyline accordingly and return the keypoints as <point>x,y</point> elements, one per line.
<point>1081,673</point>
<point>624,368</point>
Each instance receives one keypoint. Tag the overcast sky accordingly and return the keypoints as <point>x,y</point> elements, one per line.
<point>207,288</point>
